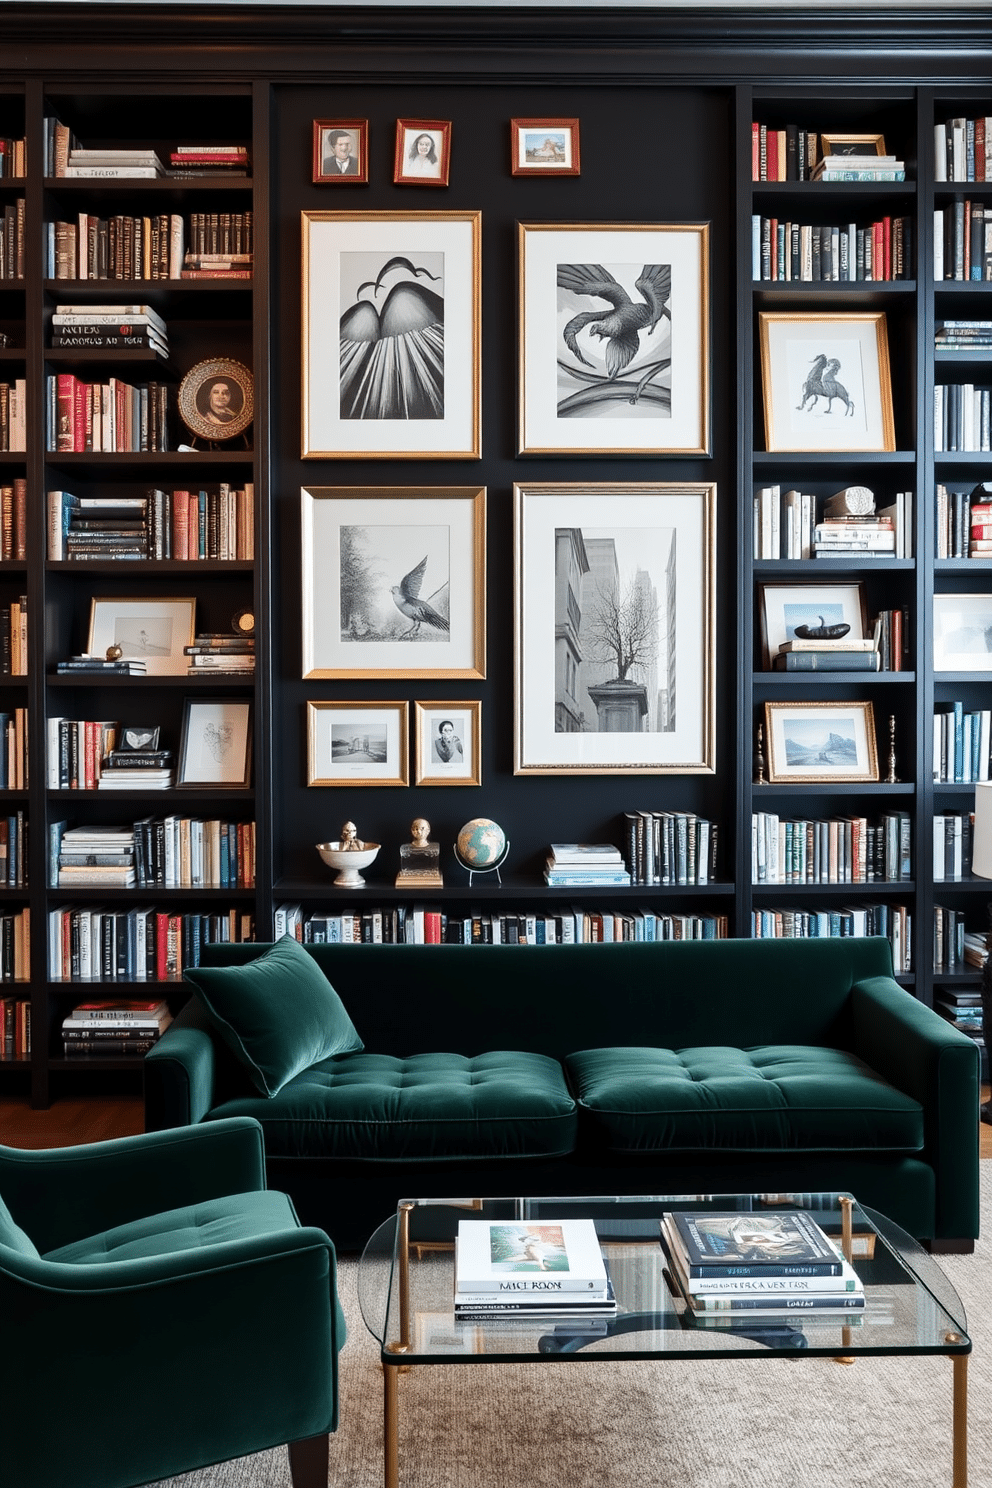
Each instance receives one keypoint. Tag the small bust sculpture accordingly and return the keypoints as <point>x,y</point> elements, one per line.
<point>419,859</point>
<point>350,840</point>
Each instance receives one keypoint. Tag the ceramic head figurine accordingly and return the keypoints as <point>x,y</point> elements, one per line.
<point>350,840</point>
<point>420,831</point>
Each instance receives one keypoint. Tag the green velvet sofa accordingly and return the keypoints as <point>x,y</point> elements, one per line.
<point>681,1067</point>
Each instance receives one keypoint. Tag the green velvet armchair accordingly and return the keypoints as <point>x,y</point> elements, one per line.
<point>160,1311</point>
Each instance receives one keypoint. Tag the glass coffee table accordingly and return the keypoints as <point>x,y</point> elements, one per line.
<point>406,1288</point>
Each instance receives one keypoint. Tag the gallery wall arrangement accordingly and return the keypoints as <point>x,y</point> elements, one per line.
<point>542,439</point>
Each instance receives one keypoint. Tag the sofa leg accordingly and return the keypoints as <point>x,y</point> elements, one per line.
<point>308,1461</point>
<point>950,1247</point>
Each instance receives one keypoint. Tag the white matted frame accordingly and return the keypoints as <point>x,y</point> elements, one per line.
<point>358,743</point>
<point>826,381</point>
<point>615,666</point>
<point>394,581</point>
<point>150,630</point>
<point>447,740</point>
<point>614,338</point>
<point>391,335</point>
<point>784,606</point>
<point>819,742</point>
<point>215,751</point>
<point>962,632</point>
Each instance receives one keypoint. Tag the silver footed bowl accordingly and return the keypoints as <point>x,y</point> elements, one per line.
<point>348,862</point>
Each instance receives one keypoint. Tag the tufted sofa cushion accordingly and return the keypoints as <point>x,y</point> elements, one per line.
<point>442,1107</point>
<point>771,1098</point>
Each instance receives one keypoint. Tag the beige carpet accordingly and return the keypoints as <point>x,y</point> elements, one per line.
<point>760,1423</point>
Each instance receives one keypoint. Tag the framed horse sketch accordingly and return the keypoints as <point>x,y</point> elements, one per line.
<point>826,381</point>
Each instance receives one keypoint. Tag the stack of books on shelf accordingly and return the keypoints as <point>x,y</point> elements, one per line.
<point>14,638</point>
<point>118,247</point>
<point>13,520</point>
<point>894,921</point>
<point>962,242</point>
<point>14,852</point>
<point>418,924</point>
<point>13,154</point>
<point>671,847</point>
<point>786,524</point>
<point>846,849</point>
<point>851,525</point>
<point>585,865</point>
<point>948,939</point>
<point>961,744</point>
<point>12,241</point>
<point>962,149</point>
<point>976,949</point>
<point>134,945</point>
<point>731,1266</point>
<point>859,167</point>
<point>962,1006</point>
<point>530,1270</point>
<point>220,651</point>
<point>952,842</point>
<point>963,335</point>
<point>209,160</point>
<point>963,520</point>
<point>170,852</point>
<point>100,666</point>
<point>187,525</point>
<point>117,327</point>
<point>84,857</point>
<point>15,945</point>
<point>83,528</point>
<point>14,750</point>
<point>849,654</point>
<point>114,1030</point>
<point>136,769</point>
<point>15,1028</point>
<point>962,417</point>
<point>13,425</point>
<point>126,163</point>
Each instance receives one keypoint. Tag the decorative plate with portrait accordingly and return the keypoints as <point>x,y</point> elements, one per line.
<point>217,399</point>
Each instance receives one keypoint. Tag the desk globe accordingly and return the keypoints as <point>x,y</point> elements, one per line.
<point>481,847</point>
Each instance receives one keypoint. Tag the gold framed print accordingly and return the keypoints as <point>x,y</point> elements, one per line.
<point>357,743</point>
<point>826,381</point>
<point>447,743</point>
<point>811,743</point>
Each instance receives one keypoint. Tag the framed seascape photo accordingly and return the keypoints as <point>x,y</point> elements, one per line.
<point>217,399</point>
<point>962,632</point>
<point>341,151</point>
<point>150,630</point>
<point>614,339</point>
<point>215,750</point>
<point>423,152</point>
<point>391,335</point>
<point>394,581</point>
<point>816,742</point>
<point>544,147</point>
<point>841,608</point>
<point>357,743</point>
<point>826,381</point>
<point>447,741</point>
<point>614,633</point>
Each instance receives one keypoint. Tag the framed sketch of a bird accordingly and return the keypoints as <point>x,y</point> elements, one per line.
<point>406,598</point>
<point>621,327</point>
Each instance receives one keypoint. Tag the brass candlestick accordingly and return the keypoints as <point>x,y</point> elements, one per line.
<point>892,778</point>
<point>759,761</point>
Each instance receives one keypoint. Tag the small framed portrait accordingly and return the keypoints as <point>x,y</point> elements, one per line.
<point>150,630</point>
<point>962,632</point>
<point>447,743</point>
<point>358,743</point>
<point>544,147</point>
<point>423,152</point>
<point>341,151</point>
<point>819,742</point>
<point>215,752</point>
<point>824,612</point>
<point>826,381</point>
<point>217,399</point>
<point>139,738</point>
<point>852,144</point>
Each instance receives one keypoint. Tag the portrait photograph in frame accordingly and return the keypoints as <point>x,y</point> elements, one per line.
<point>217,399</point>
<point>394,581</point>
<point>341,151</point>
<point>614,628</point>
<point>544,147</point>
<point>215,747</point>
<point>391,335</point>
<point>352,743</point>
<point>150,630</point>
<point>962,632</point>
<point>423,152</point>
<point>784,606</point>
<point>818,742</point>
<point>826,381</point>
<point>447,740</point>
<point>614,338</point>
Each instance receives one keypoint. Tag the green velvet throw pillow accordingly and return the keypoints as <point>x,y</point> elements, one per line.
<point>278,1014</point>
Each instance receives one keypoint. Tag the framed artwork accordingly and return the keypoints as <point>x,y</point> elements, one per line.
<point>391,328</point>
<point>614,629</point>
<point>544,147</point>
<point>962,632</point>
<point>150,630</point>
<point>423,152</point>
<point>137,738</point>
<point>852,144</point>
<point>217,399</point>
<point>357,743</point>
<point>215,749</point>
<point>840,606</point>
<point>447,743</point>
<point>614,338</point>
<point>341,151</point>
<point>818,742</point>
<point>394,581</point>
<point>826,381</point>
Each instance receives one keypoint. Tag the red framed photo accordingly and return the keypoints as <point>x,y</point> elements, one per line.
<point>544,147</point>
<point>341,151</point>
<point>423,152</point>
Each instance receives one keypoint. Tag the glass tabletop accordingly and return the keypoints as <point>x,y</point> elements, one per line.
<point>406,1287</point>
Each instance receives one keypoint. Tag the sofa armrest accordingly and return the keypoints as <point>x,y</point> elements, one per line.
<point>180,1072</point>
<point>916,1050</point>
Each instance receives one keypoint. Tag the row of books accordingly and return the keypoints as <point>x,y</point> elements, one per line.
<point>671,847</point>
<point>962,1007</point>
<point>110,327</point>
<point>117,247</point>
<point>142,944</point>
<point>522,1270</point>
<point>785,251</point>
<point>14,851</point>
<point>190,526</point>
<point>419,924</point>
<point>838,849</point>
<point>14,638</point>
<point>13,520</point>
<point>113,416</point>
<point>170,852</point>
<point>12,241</point>
<point>948,939</point>
<point>962,417</point>
<point>962,242</point>
<point>962,744</point>
<point>962,149</point>
<point>107,1030</point>
<point>798,524</point>
<point>788,154</point>
<point>963,335</point>
<point>211,652</point>
<point>15,945</point>
<point>13,423</point>
<point>15,1029</point>
<point>65,155</point>
<point>952,842</point>
<point>894,921</point>
<point>14,750</point>
<point>13,158</point>
<point>98,666</point>
<point>963,521</point>
<point>585,864</point>
<point>81,750</point>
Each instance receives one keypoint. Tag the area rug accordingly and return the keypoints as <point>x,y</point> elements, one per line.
<point>756,1423</point>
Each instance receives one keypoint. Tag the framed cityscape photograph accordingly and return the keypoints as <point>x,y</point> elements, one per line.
<point>826,381</point>
<point>357,743</point>
<point>423,152</point>
<point>544,147</point>
<point>614,338</point>
<point>615,662</point>
<point>341,151</point>
<point>391,335</point>
<point>150,630</point>
<point>820,605</point>
<point>215,749</point>
<point>447,740</point>
<point>817,742</point>
<point>394,581</point>
<point>962,632</point>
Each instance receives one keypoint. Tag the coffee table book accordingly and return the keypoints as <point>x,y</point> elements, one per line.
<point>748,1244</point>
<point>848,1282</point>
<point>520,1259</point>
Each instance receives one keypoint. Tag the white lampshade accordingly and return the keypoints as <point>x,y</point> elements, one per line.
<point>981,849</point>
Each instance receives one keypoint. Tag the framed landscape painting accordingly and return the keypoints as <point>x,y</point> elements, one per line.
<point>826,381</point>
<point>614,338</point>
<point>614,633</point>
<point>394,581</point>
<point>391,326</point>
<point>815,742</point>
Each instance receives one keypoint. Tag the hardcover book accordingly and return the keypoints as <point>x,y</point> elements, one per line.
<point>748,1244</point>
<point>520,1259</point>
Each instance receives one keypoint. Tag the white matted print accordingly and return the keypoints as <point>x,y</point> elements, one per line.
<point>216,743</point>
<point>391,324</point>
<point>448,743</point>
<point>962,632</point>
<point>357,743</point>
<point>614,338</point>
<point>615,665</point>
<point>826,381</point>
<point>150,630</point>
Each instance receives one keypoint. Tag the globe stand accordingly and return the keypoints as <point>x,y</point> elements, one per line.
<point>493,867</point>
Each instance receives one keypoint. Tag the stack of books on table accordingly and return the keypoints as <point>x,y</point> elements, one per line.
<point>113,327</point>
<point>96,856</point>
<point>136,769</point>
<point>585,864</point>
<point>215,651</point>
<point>114,1030</point>
<point>129,163</point>
<point>746,1263</point>
<point>529,1269</point>
<point>867,167</point>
